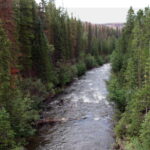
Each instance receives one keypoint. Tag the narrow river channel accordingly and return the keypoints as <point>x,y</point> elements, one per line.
<point>86,114</point>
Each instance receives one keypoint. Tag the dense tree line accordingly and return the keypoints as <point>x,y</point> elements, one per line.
<point>41,50</point>
<point>130,83</point>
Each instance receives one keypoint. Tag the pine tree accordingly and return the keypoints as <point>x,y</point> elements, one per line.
<point>4,67</point>
<point>133,78</point>
<point>89,38</point>
<point>41,54</point>
<point>79,40</point>
<point>130,20</point>
<point>6,132</point>
<point>25,25</point>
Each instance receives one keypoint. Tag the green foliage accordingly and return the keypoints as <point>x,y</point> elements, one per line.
<point>4,69</point>
<point>81,67</point>
<point>41,55</point>
<point>120,129</point>
<point>99,60</point>
<point>145,132</point>
<point>129,86</point>
<point>90,61</point>
<point>16,112</point>
<point>142,142</point>
<point>130,74</point>
<point>6,132</point>
<point>36,90</point>
<point>117,94</point>
<point>51,50</point>
<point>74,71</point>
<point>67,73</point>
<point>22,115</point>
<point>133,145</point>
<point>4,55</point>
<point>25,25</point>
<point>139,105</point>
<point>116,59</point>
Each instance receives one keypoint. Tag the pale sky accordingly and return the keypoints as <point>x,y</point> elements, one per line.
<point>101,11</point>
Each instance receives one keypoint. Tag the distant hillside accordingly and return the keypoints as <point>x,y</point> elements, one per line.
<point>115,25</point>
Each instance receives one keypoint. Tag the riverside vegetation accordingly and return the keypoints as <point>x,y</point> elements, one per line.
<point>129,86</point>
<point>42,49</point>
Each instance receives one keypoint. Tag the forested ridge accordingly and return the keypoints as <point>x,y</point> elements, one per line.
<point>42,49</point>
<point>129,86</point>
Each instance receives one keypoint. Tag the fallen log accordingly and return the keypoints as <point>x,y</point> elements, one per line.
<point>49,121</point>
<point>62,120</point>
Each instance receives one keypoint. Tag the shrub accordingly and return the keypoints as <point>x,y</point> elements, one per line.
<point>36,89</point>
<point>116,93</point>
<point>81,67</point>
<point>90,61</point>
<point>139,105</point>
<point>116,60</point>
<point>145,132</point>
<point>6,132</point>
<point>134,144</point>
<point>22,115</point>
<point>66,74</point>
<point>120,128</point>
<point>74,71</point>
<point>99,60</point>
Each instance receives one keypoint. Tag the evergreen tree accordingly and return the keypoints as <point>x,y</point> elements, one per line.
<point>25,25</point>
<point>89,38</point>
<point>79,39</point>
<point>52,49</point>
<point>6,132</point>
<point>5,60</point>
<point>41,54</point>
<point>131,75</point>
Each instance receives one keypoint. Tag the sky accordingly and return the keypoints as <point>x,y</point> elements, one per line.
<point>101,11</point>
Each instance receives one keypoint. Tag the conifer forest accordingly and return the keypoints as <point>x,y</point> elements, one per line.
<point>44,51</point>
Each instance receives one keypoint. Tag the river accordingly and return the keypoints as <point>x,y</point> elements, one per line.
<point>86,114</point>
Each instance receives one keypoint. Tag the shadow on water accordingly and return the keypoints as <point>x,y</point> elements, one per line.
<point>85,116</point>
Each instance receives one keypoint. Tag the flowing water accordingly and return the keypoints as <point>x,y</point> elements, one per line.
<point>85,114</point>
